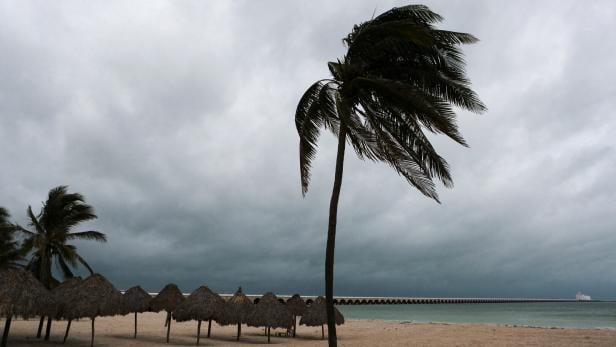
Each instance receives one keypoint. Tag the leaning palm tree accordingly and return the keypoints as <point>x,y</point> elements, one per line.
<point>52,230</point>
<point>399,78</point>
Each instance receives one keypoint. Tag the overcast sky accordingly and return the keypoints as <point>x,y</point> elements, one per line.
<point>176,121</point>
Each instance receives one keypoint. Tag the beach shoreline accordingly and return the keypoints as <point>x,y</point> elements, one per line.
<point>117,331</point>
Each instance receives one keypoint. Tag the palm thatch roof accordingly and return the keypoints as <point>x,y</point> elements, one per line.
<point>167,299</point>
<point>202,304</point>
<point>236,309</point>
<point>94,297</point>
<point>21,294</point>
<point>316,314</point>
<point>64,294</point>
<point>296,305</point>
<point>269,312</point>
<point>135,299</point>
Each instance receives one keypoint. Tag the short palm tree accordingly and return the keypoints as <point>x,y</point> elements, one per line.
<point>400,77</point>
<point>10,251</point>
<point>52,230</point>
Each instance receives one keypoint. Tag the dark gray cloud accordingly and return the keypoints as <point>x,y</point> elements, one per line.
<point>176,122</point>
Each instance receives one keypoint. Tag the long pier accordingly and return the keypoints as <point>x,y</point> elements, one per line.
<point>384,300</point>
<point>403,300</point>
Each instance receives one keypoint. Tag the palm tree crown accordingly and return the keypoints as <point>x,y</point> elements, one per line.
<point>52,229</point>
<point>399,78</point>
<point>10,252</point>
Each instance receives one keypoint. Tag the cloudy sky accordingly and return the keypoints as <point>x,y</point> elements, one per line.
<point>176,121</point>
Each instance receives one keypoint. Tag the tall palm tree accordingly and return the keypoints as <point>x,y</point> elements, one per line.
<point>52,230</point>
<point>10,251</point>
<point>400,77</point>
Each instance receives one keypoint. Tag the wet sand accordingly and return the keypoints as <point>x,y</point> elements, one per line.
<point>118,331</point>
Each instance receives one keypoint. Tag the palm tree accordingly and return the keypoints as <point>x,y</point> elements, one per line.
<point>10,251</point>
<point>400,77</point>
<point>52,230</point>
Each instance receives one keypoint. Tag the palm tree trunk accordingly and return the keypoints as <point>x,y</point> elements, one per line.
<point>135,326</point>
<point>5,334</point>
<point>209,328</point>
<point>198,332</point>
<point>239,330</point>
<point>68,327</point>
<point>40,328</point>
<point>168,325</point>
<point>92,340</point>
<point>331,239</point>
<point>48,330</point>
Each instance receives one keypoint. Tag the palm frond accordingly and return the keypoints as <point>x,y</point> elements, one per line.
<point>10,252</point>
<point>314,110</point>
<point>401,76</point>
<point>34,222</point>
<point>87,235</point>
<point>64,268</point>
<point>84,263</point>
<point>61,212</point>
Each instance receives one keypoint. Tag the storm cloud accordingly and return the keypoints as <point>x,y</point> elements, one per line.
<point>176,121</point>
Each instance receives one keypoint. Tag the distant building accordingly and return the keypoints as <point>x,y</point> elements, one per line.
<point>581,297</point>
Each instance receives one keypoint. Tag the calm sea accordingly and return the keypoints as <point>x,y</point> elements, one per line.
<point>556,314</point>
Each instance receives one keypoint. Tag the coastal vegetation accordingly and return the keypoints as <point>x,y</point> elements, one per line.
<point>400,78</point>
<point>51,230</point>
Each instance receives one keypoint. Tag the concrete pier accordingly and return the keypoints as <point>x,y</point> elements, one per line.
<point>374,300</point>
<point>403,300</point>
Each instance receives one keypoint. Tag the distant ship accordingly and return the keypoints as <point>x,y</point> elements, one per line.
<point>581,297</point>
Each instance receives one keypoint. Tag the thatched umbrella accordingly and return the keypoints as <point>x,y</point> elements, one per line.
<point>270,313</point>
<point>167,299</point>
<point>135,300</point>
<point>316,314</point>
<point>94,297</point>
<point>21,294</point>
<point>236,311</point>
<point>297,306</point>
<point>64,294</point>
<point>202,304</point>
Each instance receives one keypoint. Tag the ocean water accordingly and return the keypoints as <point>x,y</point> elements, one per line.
<point>549,314</point>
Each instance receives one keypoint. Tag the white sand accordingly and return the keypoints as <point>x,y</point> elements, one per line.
<point>117,331</point>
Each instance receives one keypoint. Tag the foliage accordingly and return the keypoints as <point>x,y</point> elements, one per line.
<point>10,251</point>
<point>400,77</point>
<point>51,232</point>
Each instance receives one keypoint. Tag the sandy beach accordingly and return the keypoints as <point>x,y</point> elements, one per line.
<point>117,331</point>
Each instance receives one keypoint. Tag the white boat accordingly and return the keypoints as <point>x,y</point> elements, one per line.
<point>582,297</point>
